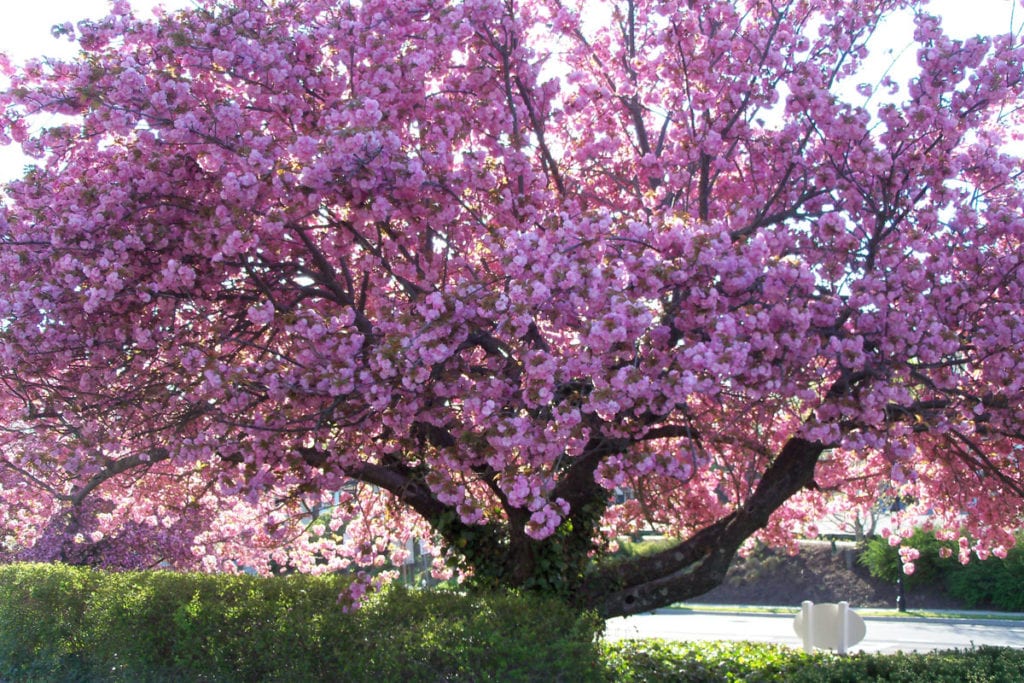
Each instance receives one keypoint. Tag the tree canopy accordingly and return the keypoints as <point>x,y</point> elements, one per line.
<point>291,282</point>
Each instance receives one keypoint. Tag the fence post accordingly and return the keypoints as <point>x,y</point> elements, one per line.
<point>807,608</point>
<point>844,626</point>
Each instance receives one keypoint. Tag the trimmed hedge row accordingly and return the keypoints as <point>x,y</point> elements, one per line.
<point>65,624</point>
<point>654,661</point>
<point>61,623</point>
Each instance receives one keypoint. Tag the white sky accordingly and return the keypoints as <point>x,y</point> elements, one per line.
<point>25,32</point>
<point>25,24</point>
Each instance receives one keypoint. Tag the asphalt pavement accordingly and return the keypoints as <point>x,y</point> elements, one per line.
<point>884,633</point>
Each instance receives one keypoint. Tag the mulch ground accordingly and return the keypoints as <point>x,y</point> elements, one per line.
<point>820,573</point>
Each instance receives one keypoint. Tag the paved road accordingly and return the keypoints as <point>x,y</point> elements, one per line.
<point>883,634</point>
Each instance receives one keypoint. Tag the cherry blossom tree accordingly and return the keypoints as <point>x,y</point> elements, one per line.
<point>291,282</point>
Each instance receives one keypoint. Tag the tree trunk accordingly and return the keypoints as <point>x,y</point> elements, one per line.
<point>502,555</point>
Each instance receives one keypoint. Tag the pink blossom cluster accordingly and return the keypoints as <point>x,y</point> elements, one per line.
<point>288,283</point>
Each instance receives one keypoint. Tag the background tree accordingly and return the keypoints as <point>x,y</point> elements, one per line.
<point>461,270</point>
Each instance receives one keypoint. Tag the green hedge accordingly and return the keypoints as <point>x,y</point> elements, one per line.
<point>41,622</point>
<point>60,623</point>
<point>652,661</point>
<point>883,560</point>
<point>992,583</point>
<point>65,624</point>
<point>636,661</point>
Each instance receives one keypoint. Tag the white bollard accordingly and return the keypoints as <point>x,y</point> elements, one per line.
<point>843,623</point>
<point>807,609</point>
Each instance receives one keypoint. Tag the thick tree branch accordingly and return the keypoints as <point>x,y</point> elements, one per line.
<point>115,468</point>
<point>968,451</point>
<point>401,484</point>
<point>328,278</point>
<point>698,564</point>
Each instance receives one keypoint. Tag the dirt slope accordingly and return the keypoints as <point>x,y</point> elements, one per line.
<point>819,573</point>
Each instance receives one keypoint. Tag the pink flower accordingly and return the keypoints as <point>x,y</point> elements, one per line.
<point>422,274</point>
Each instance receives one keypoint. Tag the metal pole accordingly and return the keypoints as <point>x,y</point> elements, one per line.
<point>901,596</point>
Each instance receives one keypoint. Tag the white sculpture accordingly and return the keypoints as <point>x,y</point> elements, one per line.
<point>829,626</point>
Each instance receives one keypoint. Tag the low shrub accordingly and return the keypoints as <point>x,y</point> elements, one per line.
<point>883,560</point>
<point>443,636</point>
<point>981,665</point>
<point>42,621</point>
<point>66,624</point>
<point>148,624</point>
<point>992,583</point>
<point>60,623</point>
<point>653,661</point>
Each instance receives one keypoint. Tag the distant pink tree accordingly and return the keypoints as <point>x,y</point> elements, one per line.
<point>291,283</point>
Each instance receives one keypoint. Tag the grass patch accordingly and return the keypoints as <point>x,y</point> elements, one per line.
<point>737,609</point>
<point>864,612</point>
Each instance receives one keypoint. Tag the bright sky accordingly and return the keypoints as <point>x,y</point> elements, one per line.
<point>25,32</point>
<point>25,27</point>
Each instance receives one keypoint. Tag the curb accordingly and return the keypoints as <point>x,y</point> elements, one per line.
<point>868,613</point>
